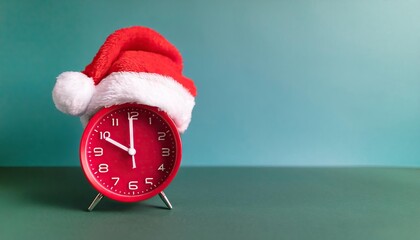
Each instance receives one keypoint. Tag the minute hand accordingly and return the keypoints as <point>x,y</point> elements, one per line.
<point>130,125</point>
<point>110,140</point>
<point>131,150</point>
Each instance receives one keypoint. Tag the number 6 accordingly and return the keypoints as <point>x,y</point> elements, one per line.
<point>133,185</point>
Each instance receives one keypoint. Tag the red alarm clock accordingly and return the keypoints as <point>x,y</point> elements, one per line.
<point>130,152</point>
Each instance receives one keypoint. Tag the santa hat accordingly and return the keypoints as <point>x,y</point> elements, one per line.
<point>134,65</point>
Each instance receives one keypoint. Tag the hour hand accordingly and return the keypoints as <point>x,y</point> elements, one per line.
<point>112,141</point>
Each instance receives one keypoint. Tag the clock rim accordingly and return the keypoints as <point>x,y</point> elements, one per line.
<point>96,184</point>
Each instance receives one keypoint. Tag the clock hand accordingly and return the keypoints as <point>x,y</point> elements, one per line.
<point>131,150</point>
<point>130,123</point>
<point>133,161</point>
<point>110,140</point>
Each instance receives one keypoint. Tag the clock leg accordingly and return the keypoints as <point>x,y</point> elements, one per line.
<point>95,202</point>
<point>165,199</point>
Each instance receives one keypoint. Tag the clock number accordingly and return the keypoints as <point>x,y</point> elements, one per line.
<point>161,136</point>
<point>116,179</point>
<point>114,122</point>
<point>133,185</point>
<point>133,115</point>
<point>103,135</point>
<point>161,168</point>
<point>98,151</point>
<point>148,181</point>
<point>150,121</point>
<point>165,152</point>
<point>103,168</point>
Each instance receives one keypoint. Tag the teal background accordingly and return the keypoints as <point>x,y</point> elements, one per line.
<point>280,82</point>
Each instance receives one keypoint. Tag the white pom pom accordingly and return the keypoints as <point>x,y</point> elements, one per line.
<point>72,92</point>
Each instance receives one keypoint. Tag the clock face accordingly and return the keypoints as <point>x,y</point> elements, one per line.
<point>130,152</point>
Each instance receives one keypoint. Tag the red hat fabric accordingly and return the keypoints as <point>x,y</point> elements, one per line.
<point>135,64</point>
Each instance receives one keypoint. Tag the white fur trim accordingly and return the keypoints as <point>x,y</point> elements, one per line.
<point>144,88</point>
<point>72,92</point>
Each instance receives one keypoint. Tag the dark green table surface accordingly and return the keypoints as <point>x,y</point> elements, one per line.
<point>218,203</point>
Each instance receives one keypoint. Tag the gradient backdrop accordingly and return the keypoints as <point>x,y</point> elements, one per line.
<point>280,82</point>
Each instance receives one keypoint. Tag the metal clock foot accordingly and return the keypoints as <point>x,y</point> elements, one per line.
<point>165,200</point>
<point>95,202</point>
